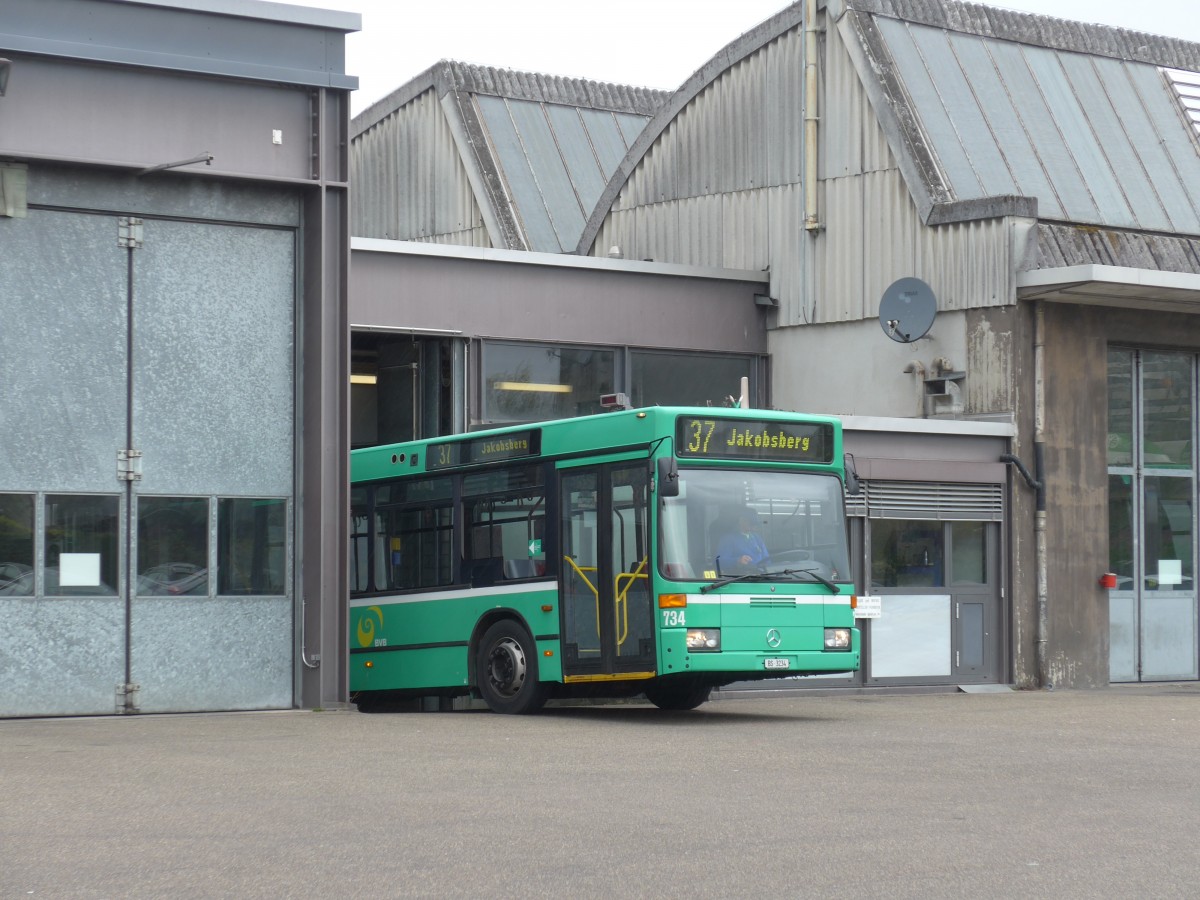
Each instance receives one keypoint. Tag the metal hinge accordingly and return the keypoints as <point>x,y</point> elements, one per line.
<point>129,465</point>
<point>127,698</point>
<point>129,232</point>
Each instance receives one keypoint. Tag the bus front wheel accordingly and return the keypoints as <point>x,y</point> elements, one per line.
<point>507,670</point>
<point>677,694</point>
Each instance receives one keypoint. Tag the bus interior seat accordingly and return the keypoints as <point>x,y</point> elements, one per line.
<point>520,568</point>
<point>485,571</point>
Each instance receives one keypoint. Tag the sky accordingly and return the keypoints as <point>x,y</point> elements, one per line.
<point>645,43</point>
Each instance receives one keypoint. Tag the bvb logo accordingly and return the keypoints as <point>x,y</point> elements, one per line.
<point>372,617</point>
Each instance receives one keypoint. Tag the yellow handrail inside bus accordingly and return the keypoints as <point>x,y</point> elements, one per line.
<point>595,590</point>
<point>622,583</point>
<point>622,598</point>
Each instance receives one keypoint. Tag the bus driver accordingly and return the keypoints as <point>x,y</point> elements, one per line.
<point>742,546</point>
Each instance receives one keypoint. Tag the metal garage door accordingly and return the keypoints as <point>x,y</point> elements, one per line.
<point>146,464</point>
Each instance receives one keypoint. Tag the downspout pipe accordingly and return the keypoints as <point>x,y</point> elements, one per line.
<point>1037,483</point>
<point>811,222</point>
<point>1039,463</point>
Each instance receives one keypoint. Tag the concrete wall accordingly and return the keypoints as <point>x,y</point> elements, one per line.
<point>506,294</point>
<point>1077,342</point>
<point>853,368</point>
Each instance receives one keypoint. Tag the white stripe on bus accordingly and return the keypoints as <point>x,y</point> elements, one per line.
<point>498,591</point>
<point>550,584</point>
<point>778,601</point>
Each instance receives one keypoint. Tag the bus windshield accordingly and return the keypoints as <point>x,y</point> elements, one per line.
<point>730,522</point>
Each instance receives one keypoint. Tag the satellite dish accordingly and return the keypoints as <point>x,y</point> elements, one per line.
<point>906,310</point>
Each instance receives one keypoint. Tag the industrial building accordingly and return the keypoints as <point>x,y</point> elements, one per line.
<point>1000,158</point>
<point>186,306</point>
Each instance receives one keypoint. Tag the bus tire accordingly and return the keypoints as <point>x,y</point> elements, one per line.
<point>507,670</point>
<point>677,695</point>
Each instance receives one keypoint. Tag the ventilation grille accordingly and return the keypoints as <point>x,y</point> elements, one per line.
<point>927,500</point>
<point>1187,89</point>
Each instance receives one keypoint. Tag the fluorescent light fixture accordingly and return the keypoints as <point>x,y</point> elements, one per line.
<point>363,379</point>
<point>532,386</point>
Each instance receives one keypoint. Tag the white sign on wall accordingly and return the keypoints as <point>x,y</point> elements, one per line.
<point>869,607</point>
<point>79,569</point>
<point>1170,572</point>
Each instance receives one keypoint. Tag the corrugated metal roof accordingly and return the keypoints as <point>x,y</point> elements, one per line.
<point>537,150</point>
<point>1010,103</point>
<point>1062,246</point>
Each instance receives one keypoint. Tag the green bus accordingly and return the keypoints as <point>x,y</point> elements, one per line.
<point>661,551</point>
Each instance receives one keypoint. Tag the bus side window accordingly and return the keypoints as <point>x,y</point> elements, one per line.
<point>360,571</point>
<point>413,547</point>
<point>520,568</point>
<point>504,519</point>
<point>485,571</point>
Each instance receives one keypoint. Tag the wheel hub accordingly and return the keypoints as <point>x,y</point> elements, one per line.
<point>506,667</point>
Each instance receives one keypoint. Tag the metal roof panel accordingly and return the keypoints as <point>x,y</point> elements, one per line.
<point>606,138</point>
<point>548,165</point>
<point>956,90</point>
<point>1074,124</point>
<point>1091,77</point>
<point>1012,140</point>
<point>939,126</point>
<point>515,168</point>
<point>1014,104</point>
<point>583,165</point>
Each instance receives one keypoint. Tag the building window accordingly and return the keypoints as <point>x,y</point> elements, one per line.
<point>907,553</point>
<point>251,546</point>
<point>535,382</point>
<point>172,547</point>
<point>688,379</point>
<point>16,545</point>
<point>968,553</point>
<point>81,536</point>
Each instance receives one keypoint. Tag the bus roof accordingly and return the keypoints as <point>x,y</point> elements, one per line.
<point>626,429</point>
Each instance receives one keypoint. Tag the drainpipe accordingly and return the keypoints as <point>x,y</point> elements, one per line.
<point>1037,483</point>
<point>810,116</point>
<point>1039,464</point>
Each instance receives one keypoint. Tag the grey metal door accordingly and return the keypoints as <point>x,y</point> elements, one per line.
<point>63,370</point>
<point>146,367</point>
<point>212,417</point>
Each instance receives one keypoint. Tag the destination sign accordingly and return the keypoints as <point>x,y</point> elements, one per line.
<point>476,451</point>
<point>715,438</point>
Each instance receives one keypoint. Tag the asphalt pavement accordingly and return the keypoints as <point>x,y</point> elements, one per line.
<point>1018,794</point>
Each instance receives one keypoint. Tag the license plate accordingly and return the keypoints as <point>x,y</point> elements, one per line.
<point>776,662</point>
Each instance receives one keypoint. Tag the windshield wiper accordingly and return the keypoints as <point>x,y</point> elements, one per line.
<point>811,574</point>
<point>731,579</point>
<point>764,576</point>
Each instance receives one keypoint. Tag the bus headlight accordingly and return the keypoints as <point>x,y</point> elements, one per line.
<point>837,638</point>
<point>704,640</point>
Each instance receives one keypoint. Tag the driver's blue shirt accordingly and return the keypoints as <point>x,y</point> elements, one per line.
<point>734,546</point>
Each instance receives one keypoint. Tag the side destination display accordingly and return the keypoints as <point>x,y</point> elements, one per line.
<point>715,438</point>
<point>514,445</point>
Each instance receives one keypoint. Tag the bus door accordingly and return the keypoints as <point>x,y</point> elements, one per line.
<point>607,620</point>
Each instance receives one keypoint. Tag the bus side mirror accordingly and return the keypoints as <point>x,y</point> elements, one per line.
<point>667,482</point>
<point>853,485</point>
